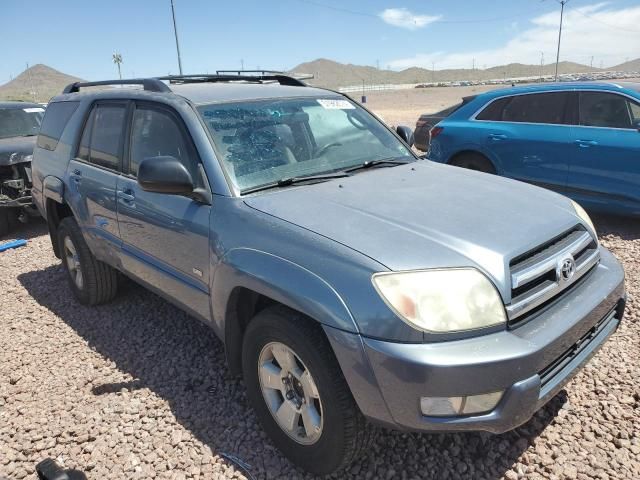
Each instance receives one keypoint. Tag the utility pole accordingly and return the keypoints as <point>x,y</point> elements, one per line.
<point>117,59</point>
<point>33,91</point>
<point>591,64</point>
<point>562,4</point>
<point>433,72</point>
<point>175,32</point>
<point>541,65</point>
<point>242,64</point>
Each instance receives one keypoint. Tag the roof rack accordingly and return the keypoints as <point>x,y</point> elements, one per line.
<point>157,84</point>
<point>257,76</point>
<point>149,84</point>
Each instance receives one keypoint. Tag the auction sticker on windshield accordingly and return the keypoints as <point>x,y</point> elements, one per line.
<point>334,104</point>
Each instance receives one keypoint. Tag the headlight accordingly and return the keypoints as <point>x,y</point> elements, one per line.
<point>442,301</point>
<point>584,216</point>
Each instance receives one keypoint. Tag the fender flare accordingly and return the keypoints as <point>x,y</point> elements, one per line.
<point>278,279</point>
<point>53,188</point>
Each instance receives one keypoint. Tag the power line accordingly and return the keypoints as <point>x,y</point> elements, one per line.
<point>577,10</point>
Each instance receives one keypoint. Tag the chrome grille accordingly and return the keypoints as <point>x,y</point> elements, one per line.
<point>541,275</point>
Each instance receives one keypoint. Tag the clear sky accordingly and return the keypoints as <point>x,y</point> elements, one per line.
<point>79,36</point>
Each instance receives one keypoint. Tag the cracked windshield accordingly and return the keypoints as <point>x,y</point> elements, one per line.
<point>262,142</point>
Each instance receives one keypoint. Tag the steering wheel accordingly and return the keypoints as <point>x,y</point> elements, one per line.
<point>322,150</point>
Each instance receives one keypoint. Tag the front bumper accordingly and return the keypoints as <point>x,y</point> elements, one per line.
<point>530,363</point>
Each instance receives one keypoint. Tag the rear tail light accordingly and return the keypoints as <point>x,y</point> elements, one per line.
<point>435,131</point>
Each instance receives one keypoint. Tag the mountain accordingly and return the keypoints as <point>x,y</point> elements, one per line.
<point>334,74</point>
<point>41,79</point>
<point>630,66</point>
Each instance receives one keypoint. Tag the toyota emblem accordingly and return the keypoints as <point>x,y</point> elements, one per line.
<point>566,269</point>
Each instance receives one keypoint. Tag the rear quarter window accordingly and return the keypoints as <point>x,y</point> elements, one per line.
<point>56,117</point>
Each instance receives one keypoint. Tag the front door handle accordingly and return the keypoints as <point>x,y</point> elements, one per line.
<point>586,143</point>
<point>127,196</point>
<point>76,175</point>
<point>497,136</point>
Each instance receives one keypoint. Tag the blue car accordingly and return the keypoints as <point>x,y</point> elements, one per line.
<point>579,139</point>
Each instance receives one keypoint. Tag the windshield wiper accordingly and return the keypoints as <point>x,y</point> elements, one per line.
<point>287,181</point>
<point>373,163</point>
<point>28,135</point>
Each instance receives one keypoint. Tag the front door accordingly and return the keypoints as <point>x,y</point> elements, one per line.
<point>165,238</point>
<point>605,165</point>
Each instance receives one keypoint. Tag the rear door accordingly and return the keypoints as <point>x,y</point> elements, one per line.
<point>93,174</point>
<point>529,137</point>
<point>605,166</point>
<point>165,238</point>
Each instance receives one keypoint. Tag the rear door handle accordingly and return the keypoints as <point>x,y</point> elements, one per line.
<point>586,143</point>
<point>127,196</point>
<point>497,136</point>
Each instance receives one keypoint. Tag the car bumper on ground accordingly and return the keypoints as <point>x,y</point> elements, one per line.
<point>530,364</point>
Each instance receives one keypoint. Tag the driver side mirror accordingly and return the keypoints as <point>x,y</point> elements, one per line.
<point>164,174</point>
<point>405,134</point>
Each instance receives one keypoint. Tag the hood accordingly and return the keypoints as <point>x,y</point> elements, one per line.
<point>21,145</point>
<point>427,215</point>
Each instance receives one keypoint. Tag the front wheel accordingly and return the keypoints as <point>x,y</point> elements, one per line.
<point>8,220</point>
<point>300,396</point>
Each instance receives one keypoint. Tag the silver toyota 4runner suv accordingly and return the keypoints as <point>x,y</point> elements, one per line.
<point>349,280</point>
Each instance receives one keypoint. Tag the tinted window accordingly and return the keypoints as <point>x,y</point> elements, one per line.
<point>600,109</point>
<point>106,135</point>
<point>85,141</point>
<point>55,119</point>
<point>635,112</point>
<point>156,133</point>
<point>493,111</point>
<point>536,108</point>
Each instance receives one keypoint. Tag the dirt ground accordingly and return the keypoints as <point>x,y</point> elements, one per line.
<point>403,107</point>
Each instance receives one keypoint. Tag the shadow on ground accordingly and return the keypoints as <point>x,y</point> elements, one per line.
<point>181,361</point>
<point>34,228</point>
<point>627,228</point>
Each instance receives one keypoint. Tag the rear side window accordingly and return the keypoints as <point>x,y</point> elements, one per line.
<point>56,117</point>
<point>536,108</point>
<point>601,109</point>
<point>531,108</point>
<point>493,111</point>
<point>101,141</point>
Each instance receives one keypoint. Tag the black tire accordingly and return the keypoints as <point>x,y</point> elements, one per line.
<point>474,161</point>
<point>8,221</point>
<point>345,433</point>
<point>99,280</point>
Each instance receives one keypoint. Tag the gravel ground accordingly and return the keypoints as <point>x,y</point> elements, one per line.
<point>137,389</point>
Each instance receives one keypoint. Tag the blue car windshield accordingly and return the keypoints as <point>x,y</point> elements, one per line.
<point>261,142</point>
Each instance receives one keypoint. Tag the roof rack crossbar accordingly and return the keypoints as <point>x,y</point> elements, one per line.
<point>276,77</point>
<point>149,84</point>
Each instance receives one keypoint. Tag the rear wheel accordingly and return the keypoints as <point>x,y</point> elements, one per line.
<point>297,390</point>
<point>92,281</point>
<point>474,161</point>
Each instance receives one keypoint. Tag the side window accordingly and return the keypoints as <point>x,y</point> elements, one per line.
<point>635,112</point>
<point>85,141</point>
<point>55,119</point>
<point>156,133</point>
<point>493,111</point>
<point>106,135</point>
<point>601,109</point>
<point>537,108</point>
